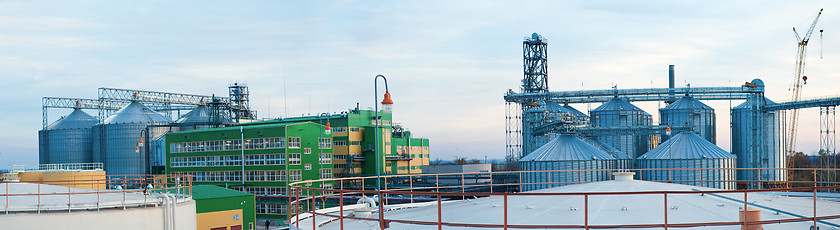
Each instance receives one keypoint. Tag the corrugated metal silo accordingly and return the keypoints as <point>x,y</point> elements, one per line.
<point>688,111</point>
<point>67,140</point>
<point>688,150</point>
<point>116,138</point>
<point>751,125</point>
<point>622,160</point>
<point>616,113</point>
<point>566,152</point>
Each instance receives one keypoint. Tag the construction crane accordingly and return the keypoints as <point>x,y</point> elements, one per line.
<point>799,79</point>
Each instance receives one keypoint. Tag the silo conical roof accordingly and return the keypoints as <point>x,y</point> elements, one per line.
<point>686,145</point>
<point>200,114</point>
<point>607,148</point>
<point>77,119</point>
<point>575,111</point>
<point>751,101</point>
<point>687,102</point>
<point>136,113</point>
<point>618,104</point>
<point>567,148</point>
<point>556,108</point>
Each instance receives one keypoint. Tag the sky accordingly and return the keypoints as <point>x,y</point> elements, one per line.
<point>448,63</point>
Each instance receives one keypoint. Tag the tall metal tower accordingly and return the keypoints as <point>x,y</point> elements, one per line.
<point>535,64</point>
<point>239,102</point>
<point>535,80</point>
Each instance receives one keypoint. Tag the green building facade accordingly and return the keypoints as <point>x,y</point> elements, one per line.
<point>273,156</point>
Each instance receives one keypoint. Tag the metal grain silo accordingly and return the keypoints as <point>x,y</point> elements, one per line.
<point>67,140</point>
<point>566,152</point>
<point>622,160</point>
<point>688,111</point>
<point>116,138</point>
<point>691,152</point>
<point>576,112</point>
<point>201,118</point>
<point>758,140</point>
<point>620,113</point>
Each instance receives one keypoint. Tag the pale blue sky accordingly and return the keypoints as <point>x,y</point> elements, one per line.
<point>448,62</point>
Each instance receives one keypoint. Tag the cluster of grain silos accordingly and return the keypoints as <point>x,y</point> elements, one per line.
<point>81,138</point>
<point>608,151</point>
<point>565,152</point>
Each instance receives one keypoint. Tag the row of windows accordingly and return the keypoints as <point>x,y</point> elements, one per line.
<point>294,158</point>
<point>412,147</point>
<point>233,176</point>
<point>324,143</point>
<point>269,208</point>
<point>339,129</point>
<point>263,190</point>
<point>233,160</point>
<point>340,157</point>
<point>202,146</point>
<point>266,175</point>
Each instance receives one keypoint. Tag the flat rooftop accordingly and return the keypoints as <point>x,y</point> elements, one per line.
<point>23,197</point>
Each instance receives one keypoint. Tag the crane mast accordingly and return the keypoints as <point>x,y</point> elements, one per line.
<point>799,79</point>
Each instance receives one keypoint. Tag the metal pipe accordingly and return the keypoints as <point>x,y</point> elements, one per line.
<point>242,147</point>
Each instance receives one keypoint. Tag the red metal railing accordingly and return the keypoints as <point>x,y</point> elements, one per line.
<point>304,195</point>
<point>92,186</point>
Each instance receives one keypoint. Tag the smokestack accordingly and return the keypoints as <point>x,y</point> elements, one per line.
<point>671,76</point>
<point>670,84</point>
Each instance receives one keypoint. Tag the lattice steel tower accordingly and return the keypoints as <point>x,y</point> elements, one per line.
<point>519,122</point>
<point>239,107</point>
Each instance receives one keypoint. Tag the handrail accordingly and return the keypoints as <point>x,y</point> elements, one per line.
<point>305,198</point>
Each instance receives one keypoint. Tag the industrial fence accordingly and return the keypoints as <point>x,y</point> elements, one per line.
<point>81,193</point>
<point>314,207</point>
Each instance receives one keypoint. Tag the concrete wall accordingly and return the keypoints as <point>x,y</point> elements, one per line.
<point>80,179</point>
<point>148,218</point>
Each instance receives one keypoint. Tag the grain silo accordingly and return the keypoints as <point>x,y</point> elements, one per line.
<point>688,111</point>
<point>115,140</point>
<point>764,128</point>
<point>566,152</point>
<point>689,151</point>
<point>618,112</point>
<point>67,140</point>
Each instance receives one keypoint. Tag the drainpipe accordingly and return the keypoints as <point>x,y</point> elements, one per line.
<point>242,147</point>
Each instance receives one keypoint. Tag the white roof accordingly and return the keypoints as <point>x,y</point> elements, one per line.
<point>106,198</point>
<point>603,209</point>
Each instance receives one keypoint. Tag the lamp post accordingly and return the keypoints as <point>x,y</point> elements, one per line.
<point>327,131</point>
<point>140,143</point>
<point>386,106</point>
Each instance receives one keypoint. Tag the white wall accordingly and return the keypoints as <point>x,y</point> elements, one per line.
<point>148,218</point>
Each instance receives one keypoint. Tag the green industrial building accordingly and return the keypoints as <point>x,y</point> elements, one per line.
<point>281,151</point>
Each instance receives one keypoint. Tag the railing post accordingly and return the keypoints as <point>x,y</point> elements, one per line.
<point>69,202</point>
<point>39,199</point>
<point>440,217</point>
<point>297,210</point>
<point>491,182</point>
<point>411,188</point>
<point>341,208</point>
<point>745,208</point>
<point>462,187</point>
<point>670,178</point>
<point>312,207</point>
<point>505,196</point>
<point>665,194</point>
<point>586,211</point>
<point>549,179</point>
<point>6,184</point>
<point>437,183</point>
<point>815,207</point>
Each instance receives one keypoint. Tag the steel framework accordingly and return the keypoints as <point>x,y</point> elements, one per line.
<point>113,99</point>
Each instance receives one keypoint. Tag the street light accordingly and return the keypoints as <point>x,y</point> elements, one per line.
<point>327,131</point>
<point>140,143</point>
<point>386,107</point>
